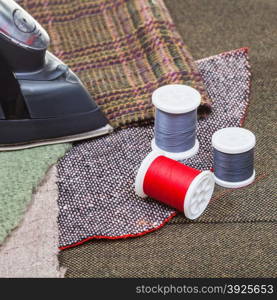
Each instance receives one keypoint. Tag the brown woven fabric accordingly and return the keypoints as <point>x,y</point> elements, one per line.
<point>121,49</point>
<point>196,250</point>
<point>255,30</point>
<point>245,248</point>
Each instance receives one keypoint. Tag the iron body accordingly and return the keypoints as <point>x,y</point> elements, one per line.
<point>42,101</point>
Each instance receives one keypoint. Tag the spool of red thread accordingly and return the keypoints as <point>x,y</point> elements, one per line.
<point>186,189</point>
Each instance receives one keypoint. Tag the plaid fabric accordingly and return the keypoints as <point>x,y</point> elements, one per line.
<point>242,243</point>
<point>96,178</point>
<point>121,49</point>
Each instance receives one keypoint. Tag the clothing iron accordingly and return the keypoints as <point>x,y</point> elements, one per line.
<point>41,100</point>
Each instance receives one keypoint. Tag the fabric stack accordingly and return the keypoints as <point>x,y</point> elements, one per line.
<point>123,50</point>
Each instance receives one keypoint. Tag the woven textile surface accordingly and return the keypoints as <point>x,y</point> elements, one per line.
<point>121,49</point>
<point>31,250</point>
<point>191,250</point>
<point>20,173</point>
<point>96,178</point>
<point>242,244</point>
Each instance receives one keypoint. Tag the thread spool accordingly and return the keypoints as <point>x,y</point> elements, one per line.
<point>175,121</point>
<point>170,182</point>
<point>233,151</point>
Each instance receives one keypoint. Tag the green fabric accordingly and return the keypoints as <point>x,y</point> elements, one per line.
<point>20,173</point>
<point>242,241</point>
<point>201,250</point>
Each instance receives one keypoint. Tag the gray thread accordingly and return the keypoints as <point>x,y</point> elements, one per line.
<point>175,132</point>
<point>233,167</point>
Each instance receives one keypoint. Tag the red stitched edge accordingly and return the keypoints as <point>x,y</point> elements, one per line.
<point>120,236</point>
<point>244,49</point>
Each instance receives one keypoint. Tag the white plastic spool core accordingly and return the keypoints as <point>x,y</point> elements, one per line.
<point>234,140</point>
<point>198,195</point>
<point>176,99</point>
<point>176,155</point>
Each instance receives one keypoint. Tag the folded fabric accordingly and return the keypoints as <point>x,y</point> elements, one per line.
<point>96,178</point>
<point>121,49</point>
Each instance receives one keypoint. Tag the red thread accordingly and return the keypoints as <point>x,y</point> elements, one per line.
<point>167,181</point>
<point>125,236</point>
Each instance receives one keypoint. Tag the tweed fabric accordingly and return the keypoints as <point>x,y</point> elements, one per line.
<point>96,187</point>
<point>144,52</point>
<point>31,250</point>
<point>20,173</point>
<point>121,49</point>
<point>243,243</point>
<point>192,250</point>
<point>111,63</point>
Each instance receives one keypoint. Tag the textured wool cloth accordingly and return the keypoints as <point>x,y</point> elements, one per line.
<point>121,49</point>
<point>96,178</point>
<point>243,243</point>
<point>180,250</point>
<point>31,251</point>
<point>20,173</point>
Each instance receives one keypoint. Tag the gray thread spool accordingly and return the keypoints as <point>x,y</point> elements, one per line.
<point>233,152</point>
<point>175,122</point>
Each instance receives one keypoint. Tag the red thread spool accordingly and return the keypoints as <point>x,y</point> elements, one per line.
<point>177,185</point>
